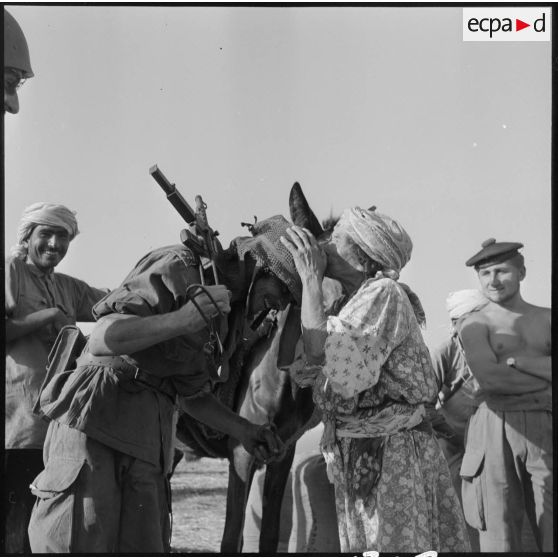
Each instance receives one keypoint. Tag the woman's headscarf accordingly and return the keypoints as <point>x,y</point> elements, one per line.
<point>381,238</point>
<point>386,242</point>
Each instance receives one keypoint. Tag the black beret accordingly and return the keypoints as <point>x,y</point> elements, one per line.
<point>494,251</point>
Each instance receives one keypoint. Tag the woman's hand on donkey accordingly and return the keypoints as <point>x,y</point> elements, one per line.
<point>309,257</point>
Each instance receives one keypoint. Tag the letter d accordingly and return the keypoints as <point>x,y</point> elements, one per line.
<point>540,20</point>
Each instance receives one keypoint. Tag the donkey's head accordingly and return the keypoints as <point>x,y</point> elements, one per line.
<point>274,281</point>
<point>301,214</point>
<point>266,268</point>
<point>345,259</point>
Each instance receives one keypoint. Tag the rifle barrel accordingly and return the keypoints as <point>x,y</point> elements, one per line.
<point>173,195</point>
<point>161,179</point>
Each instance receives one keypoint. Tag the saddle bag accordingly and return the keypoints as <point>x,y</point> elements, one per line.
<point>69,344</point>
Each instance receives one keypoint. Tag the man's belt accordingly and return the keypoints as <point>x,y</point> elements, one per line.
<point>130,372</point>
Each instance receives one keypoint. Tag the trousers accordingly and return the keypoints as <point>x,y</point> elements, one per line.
<point>94,499</point>
<point>21,466</point>
<point>507,473</point>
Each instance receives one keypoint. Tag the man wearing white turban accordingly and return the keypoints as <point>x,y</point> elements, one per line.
<point>45,214</point>
<point>39,302</point>
<point>457,388</point>
<point>372,378</point>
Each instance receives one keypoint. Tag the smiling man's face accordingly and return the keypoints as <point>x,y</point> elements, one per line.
<point>47,246</point>
<point>500,282</point>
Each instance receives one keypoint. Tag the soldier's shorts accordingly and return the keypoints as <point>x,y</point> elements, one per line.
<point>93,499</point>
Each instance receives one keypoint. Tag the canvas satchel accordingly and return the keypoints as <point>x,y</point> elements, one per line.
<point>61,361</point>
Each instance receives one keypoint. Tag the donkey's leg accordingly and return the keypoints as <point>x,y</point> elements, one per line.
<point>241,472</point>
<point>276,476</point>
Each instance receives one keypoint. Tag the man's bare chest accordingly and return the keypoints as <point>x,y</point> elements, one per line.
<point>519,336</point>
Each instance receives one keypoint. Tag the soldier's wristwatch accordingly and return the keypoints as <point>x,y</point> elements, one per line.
<point>511,362</point>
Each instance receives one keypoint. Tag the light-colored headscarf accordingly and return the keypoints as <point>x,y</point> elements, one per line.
<point>382,238</point>
<point>463,302</point>
<point>386,242</point>
<point>43,213</point>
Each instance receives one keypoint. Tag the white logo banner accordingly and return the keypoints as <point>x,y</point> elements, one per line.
<point>506,24</point>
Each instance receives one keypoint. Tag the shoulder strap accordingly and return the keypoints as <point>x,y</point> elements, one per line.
<point>69,344</point>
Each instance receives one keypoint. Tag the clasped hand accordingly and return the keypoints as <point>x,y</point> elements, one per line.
<point>263,443</point>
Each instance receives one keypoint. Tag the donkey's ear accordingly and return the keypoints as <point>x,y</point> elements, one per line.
<point>301,214</point>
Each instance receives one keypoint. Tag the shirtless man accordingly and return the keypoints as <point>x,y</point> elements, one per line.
<point>507,467</point>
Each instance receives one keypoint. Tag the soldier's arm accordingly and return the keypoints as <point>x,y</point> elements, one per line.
<point>119,334</point>
<point>441,364</point>
<point>492,376</point>
<point>259,440</point>
<point>538,366</point>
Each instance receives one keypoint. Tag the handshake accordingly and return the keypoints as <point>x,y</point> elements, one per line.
<point>263,442</point>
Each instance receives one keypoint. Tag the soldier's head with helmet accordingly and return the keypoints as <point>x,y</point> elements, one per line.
<point>17,64</point>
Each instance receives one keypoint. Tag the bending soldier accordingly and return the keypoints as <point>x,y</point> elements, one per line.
<point>108,448</point>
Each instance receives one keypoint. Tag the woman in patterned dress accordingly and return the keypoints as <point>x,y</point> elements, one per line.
<point>372,377</point>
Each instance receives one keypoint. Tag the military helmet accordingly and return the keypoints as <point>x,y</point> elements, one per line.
<point>16,51</point>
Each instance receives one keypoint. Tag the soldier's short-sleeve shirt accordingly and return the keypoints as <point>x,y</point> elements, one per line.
<point>121,413</point>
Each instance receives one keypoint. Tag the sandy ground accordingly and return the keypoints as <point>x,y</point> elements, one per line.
<point>199,490</point>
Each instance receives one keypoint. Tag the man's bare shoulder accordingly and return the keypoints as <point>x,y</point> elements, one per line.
<point>541,311</point>
<point>480,317</point>
<point>538,319</point>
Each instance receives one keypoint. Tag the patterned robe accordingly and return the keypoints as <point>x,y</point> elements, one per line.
<point>392,484</point>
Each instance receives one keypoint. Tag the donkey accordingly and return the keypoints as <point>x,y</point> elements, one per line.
<point>263,393</point>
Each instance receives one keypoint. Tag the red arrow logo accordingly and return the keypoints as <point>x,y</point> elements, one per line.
<point>519,25</point>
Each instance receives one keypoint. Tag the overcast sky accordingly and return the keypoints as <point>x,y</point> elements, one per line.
<point>385,106</point>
